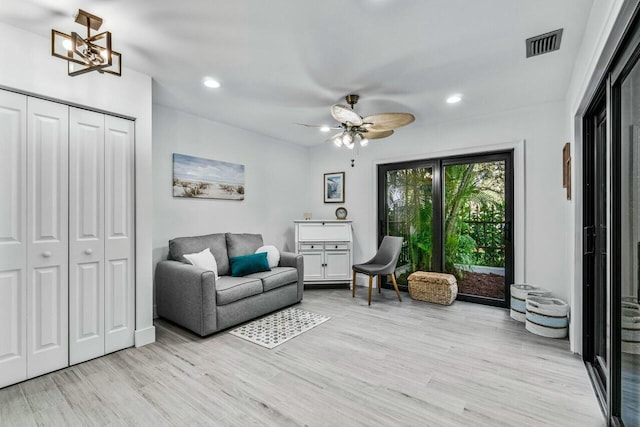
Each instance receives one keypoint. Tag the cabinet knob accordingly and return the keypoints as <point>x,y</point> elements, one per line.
<point>311,246</point>
<point>88,251</point>
<point>46,254</point>
<point>336,246</point>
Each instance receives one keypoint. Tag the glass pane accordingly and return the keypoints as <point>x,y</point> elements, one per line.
<point>630,247</point>
<point>409,214</point>
<point>474,227</point>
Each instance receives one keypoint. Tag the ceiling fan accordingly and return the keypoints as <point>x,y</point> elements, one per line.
<point>355,127</point>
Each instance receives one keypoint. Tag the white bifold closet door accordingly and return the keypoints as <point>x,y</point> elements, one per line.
<point>101,248</point>
<point>13,238</point>
<point>48,236</point>
<point>33,237</point>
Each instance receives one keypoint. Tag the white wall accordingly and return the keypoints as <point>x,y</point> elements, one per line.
<point>547,262</point>
<point>275,182</point>
<point>29,67</point>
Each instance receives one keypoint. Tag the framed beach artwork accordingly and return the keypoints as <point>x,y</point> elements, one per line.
<point>334,187</point>
<point>195,177</point>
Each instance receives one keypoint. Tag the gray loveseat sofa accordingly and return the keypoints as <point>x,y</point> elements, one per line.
<point>194,299</point>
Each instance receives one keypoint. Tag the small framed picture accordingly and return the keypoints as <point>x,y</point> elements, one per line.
<point>334,187</point>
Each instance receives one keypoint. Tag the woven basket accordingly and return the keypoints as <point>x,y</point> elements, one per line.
<point>439,288</point>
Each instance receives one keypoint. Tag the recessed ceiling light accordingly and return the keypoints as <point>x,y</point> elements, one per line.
<point>454,99</point>
<point>325,129</point>
<point>209,82</point>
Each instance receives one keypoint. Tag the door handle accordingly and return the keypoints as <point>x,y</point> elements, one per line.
<point>88,251</point>
<point>507,231</point>
<point>588,240</point>
<point>46,254</point>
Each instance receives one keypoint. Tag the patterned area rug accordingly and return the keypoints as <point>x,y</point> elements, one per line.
<point>279,327</point>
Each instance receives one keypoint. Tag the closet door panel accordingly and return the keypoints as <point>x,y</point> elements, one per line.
<point>86,235</point>
<point>13,238</point>
<point>47,253</point>
<point>119,223</point>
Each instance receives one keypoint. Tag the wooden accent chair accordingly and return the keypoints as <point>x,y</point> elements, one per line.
<point>382,264</point>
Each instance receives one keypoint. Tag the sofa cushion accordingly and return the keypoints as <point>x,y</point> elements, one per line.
<point>230,289</point>
<point>217,243</point>
<point>204,260</point>
<point>278,276</point>
<point>273,254</point>
<point>247,264</point>
<point>242,244</point>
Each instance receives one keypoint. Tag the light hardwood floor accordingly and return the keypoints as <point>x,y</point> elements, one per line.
<point>390,364</point>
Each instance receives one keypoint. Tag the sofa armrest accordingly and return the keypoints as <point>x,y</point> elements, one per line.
<point>186,295</point>
<point>289,259</point>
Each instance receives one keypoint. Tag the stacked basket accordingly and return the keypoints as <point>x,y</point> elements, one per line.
<point>548,317</point>
<point>519,294</point>
<point>630,325</point>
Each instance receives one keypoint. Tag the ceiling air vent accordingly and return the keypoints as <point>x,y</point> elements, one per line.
<point>544,43</point>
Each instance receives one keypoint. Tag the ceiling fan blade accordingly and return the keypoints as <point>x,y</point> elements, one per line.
<point>317,126</point>
<point>377,134</point>
<point>345,115</point>
<point>388,121</point>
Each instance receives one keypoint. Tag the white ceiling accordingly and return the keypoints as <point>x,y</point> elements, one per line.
<point>287,61</point>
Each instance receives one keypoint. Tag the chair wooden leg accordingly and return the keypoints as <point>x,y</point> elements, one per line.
<point>370,287</point>
<point>353,285</point>
<point>395,286</point>
<point>379,283</point>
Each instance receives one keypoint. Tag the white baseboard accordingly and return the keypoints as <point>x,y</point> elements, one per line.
<point>145,336</point>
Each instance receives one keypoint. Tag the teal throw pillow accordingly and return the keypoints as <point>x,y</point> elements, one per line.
<point>247,264</point>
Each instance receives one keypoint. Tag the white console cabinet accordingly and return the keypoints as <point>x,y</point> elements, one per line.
<point>326,246</point>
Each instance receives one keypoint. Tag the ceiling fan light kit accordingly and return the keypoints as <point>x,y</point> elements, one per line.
<point>83,55</point>
<point>354,127</point>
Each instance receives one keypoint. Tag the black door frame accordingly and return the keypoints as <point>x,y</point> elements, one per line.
<point>592,241</point>
<point>438,165</point>
<point>626,56</point>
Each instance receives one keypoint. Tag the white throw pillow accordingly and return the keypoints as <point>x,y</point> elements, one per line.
<point>273,255</point>
<point>204,260</point>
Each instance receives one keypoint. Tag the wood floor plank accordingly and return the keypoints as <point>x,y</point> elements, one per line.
<point>391,363</point>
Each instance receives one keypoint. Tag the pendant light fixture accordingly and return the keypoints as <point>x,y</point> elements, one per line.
<point>92,53</point>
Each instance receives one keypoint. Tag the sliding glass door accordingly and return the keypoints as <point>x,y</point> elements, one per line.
<point>611,238</point>
<point>406,209</point>
<point>455,215</point>
<point>477,225</point>
<point>627,279</point>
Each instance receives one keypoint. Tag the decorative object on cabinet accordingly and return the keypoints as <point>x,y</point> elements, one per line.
<point>306,215</point>
<point>207,179</point>
<point>334,187</point>
<point>566,169</point>
<point>326,247</point>
<point>341,213</point>
<point>93,53</point>
<point>382,264</point>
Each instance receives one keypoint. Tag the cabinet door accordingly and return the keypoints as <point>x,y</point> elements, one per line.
<point>313,265</point>
<point>338,265</point>
<point>13,238</point>
<point>86,235</point>
<point>48,237</point>
<point>120,234</point>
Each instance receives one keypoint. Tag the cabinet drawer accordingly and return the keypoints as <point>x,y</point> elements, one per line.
<point>336,246</point>
<point>311,246</point>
